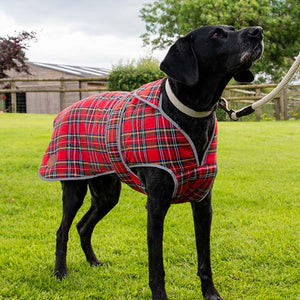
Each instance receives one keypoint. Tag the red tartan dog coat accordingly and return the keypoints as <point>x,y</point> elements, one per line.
<point>113,132</point>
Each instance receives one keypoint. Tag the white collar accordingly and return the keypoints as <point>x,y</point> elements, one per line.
<point>183,108</point>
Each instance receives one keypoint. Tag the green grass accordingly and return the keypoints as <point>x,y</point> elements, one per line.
<point>255,232</point>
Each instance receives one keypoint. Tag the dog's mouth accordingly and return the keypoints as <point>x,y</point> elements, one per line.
<point>248,57</point>
<point>254,55</point>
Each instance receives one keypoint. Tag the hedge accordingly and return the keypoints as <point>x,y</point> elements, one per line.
<point>130,76</point>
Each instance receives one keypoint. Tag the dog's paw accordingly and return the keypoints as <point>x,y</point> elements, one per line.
<point>60,274</point>
<point>212,294</point>
<point>95,262</point>
<point>213,297</point>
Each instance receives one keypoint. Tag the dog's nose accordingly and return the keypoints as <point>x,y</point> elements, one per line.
<point>255,32</point>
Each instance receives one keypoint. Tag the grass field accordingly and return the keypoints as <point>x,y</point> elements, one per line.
<point>255,233</point>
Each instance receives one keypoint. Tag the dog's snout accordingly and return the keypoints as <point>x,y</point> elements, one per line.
<point>255,32</point>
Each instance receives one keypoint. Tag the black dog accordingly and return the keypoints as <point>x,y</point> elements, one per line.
<point>198,66</point>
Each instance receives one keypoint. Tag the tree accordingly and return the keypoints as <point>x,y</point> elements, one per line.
<point>166,20</point>
<point>12,55</point>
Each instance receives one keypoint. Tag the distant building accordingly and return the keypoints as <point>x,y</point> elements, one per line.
<point>49,102</point>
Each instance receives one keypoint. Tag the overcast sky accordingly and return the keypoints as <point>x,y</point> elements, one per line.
<point>94,33</point>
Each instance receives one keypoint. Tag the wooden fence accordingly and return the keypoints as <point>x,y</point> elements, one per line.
<point>285,106</point>
<point>13,90</point>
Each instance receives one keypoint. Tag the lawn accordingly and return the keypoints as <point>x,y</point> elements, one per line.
<point>255,232</point>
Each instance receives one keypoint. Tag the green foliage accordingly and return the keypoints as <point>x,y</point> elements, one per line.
<point>128,77</point>
<point>166,20</point>
<point>221,114</point>
<point>255,233</point>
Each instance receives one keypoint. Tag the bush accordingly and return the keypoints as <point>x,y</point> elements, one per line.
<point>130,76</point>
<point>221,114</point>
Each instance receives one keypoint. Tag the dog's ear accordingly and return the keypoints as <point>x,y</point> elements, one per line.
<point>181,62</point>
<point>244,76</point>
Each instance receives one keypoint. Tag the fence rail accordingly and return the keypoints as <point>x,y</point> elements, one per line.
<point>285,105</point>
<point>13,90</point>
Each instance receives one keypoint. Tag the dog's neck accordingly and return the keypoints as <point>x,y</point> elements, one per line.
<point>182,107</point>
<point>203,97</point>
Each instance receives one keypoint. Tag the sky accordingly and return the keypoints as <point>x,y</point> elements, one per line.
<point>95,33</point>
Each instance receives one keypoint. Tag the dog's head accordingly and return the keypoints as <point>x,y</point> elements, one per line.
<point>213,50</point>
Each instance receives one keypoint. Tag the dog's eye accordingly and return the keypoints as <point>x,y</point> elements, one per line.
<point>219,34</point>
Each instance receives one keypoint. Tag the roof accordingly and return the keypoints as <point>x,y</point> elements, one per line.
<point>75,70</point>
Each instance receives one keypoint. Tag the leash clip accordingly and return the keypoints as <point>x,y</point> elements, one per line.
<point>223,104</point>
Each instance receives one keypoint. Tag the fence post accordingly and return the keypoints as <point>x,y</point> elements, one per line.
<point>79,86</point>
<point>13,97</point>
<point>62,94</point>
<point>258,111</point>
<point>277,109</point>
<point>283,105</point>
<point>2,103</point>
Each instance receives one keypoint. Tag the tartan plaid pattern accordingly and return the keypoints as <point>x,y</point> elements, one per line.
<point>115,131</point>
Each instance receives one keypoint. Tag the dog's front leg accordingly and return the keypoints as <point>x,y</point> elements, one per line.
<point>156,214</point>
<point>202,213</point>
<point>159,186</point>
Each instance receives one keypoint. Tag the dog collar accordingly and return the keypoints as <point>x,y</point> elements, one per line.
<point>183,108</point>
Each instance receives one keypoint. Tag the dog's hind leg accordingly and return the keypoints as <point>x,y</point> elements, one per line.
<point>105,192</point>
<point>73,196</point>
<point>202,213</point>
